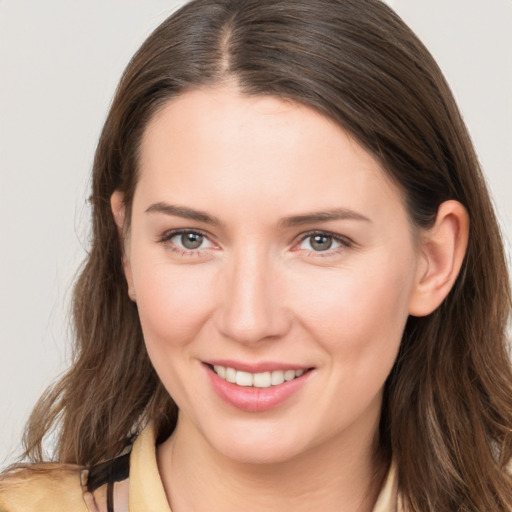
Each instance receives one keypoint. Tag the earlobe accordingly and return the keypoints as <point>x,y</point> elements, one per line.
<point>443,248</point>
<point>118,211</point>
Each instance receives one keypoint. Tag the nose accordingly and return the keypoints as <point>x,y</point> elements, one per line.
<point>252,307</point>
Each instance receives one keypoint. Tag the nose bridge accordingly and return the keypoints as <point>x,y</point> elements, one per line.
<point>251,308</point>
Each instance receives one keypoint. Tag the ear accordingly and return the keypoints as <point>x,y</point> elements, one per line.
<point>441,252</point>
<point>119,212</point>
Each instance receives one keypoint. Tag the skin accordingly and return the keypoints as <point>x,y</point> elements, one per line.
<point>257,290</point>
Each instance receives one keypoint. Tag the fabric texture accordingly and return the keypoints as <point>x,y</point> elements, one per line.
<point>129,483</point>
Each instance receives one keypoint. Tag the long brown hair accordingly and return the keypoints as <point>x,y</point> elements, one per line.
<point>447,411</point>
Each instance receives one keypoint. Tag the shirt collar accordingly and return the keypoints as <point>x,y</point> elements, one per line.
<point>387,500</point>
<point>147,491</point>
<point>146,488</point>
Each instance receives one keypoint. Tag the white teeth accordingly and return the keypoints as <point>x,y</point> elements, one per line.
<point>230,375</point>
<point>220,371</point>
<point>244,378</point>
<point>262,380</point>
<point>277,377</point>
<point>257,380</point>
<point>289,375</point>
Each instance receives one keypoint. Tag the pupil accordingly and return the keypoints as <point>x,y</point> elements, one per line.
<point>191,240</point>
<point>321,243</point>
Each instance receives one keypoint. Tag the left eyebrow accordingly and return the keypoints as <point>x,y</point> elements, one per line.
<point>323,216</point>
<point>184,212</point>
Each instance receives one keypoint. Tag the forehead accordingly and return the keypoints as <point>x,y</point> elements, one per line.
<point>220,143</point>
<point>220,117</point>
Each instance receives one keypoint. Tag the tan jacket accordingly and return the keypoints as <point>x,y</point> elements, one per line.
<point>130,483</point>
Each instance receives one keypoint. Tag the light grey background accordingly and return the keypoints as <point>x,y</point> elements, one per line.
<point>59,65</point>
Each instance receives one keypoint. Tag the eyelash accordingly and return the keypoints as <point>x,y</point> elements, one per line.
<point>345,243</point>
<point>167,236</point>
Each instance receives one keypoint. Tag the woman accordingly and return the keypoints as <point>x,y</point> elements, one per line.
<point>293,240</point>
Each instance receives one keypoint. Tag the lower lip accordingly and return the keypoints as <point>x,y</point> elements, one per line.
<point>252,399</point>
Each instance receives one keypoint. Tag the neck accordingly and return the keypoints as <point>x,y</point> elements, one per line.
<point>341,476</point>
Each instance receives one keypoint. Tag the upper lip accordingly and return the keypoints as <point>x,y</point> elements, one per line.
<point>258,367</point>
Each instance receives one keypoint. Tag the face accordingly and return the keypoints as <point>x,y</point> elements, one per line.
<point>273,264</point>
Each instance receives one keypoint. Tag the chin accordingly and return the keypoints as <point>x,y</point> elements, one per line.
<point>258,454</point>
<point>263,446</point>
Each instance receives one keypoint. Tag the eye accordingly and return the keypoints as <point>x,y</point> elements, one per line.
<point>186,240</point>
<point>323,242</point>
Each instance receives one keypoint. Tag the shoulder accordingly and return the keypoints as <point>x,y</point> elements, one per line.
<point>42,488</point>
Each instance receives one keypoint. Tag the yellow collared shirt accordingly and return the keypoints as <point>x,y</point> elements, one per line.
<point>127,484</point>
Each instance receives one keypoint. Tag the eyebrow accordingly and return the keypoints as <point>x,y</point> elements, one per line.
<point>287,222</point>
<point>323,216</point>
<point>184,212</point>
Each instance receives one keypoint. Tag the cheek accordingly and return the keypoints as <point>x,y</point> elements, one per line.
<point>358,321</point>
<point>173,302</point>
<point>359,314</point>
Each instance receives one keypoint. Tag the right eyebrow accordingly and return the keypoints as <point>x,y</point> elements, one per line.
<point>183,212</point>
<point>323,216</point>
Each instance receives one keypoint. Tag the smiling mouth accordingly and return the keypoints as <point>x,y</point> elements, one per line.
<point>256,380</point>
